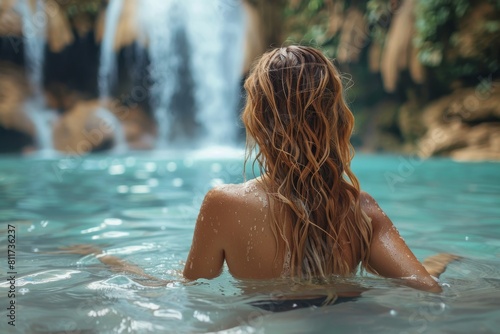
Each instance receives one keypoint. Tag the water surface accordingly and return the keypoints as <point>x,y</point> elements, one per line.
<point>142,208</point>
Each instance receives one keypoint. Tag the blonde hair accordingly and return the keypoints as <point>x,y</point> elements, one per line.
<point>299,126</point>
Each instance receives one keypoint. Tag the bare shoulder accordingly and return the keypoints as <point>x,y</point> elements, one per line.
<point>370,206</point>
<point>227,192</point>
<point>366,200</point>
<point>237,197</point>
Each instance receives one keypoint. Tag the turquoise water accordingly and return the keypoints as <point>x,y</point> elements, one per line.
<point>142,208</point>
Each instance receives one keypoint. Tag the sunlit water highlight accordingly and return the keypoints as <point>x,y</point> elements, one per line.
<point>142,208</point>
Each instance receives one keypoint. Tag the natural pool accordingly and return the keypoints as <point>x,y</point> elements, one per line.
<point>142,208</point>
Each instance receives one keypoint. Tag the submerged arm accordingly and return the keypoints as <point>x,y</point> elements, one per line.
<point>206,256</point>
<point>390,256</point>
<point>436,264</point>
<point>115,263</point>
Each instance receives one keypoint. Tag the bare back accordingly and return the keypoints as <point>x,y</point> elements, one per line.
<point>234,225</point>
<point>238,218</point>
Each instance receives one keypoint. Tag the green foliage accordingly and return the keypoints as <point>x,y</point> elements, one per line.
<point>378,15</point>
<point>307,23</point>
<point>434,20</point>
<point>458,37</point>
<point>75,7</point>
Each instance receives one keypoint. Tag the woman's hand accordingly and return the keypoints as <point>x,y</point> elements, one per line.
<point>436,264</point>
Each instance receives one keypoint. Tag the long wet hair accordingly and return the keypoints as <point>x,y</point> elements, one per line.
<point>298,126</point>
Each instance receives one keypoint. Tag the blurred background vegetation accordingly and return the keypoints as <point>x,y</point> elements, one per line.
<point>422,75</point>
<point>404,55</point>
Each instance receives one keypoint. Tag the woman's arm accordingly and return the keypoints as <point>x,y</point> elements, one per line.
<point>390,256</point>
<point>206,256</point>
<point>114,263</point>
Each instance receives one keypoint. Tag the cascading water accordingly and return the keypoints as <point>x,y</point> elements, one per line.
<point>107,65</point>
<point>214,33</point>
<point>108,74</point>
<point>161,21</point>
<point>34,50</point>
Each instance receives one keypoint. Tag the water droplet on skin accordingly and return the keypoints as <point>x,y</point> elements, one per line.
<point>216,231</point>
<point>201,218</point>
<point>191,265</point>
<point>262,229</point>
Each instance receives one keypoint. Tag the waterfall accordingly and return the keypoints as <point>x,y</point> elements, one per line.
<point>197,43</point>
<point>107,65</point>
<point>108,74</point>
<point>34,43</point>
<point>162,20</point>
<point>34,51</point>
<point>214,33</point>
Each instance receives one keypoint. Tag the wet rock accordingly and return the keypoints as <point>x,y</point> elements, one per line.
<point>265,28</point>
<point>16,128</point>
<point>483,143</point>
<point>84,129</point>
<point>60,97</point>
<point>464,125</point>
<point>92,126</point>
<point>139,129</point>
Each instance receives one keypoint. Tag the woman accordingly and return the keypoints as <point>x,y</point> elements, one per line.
<point>305,216</point>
